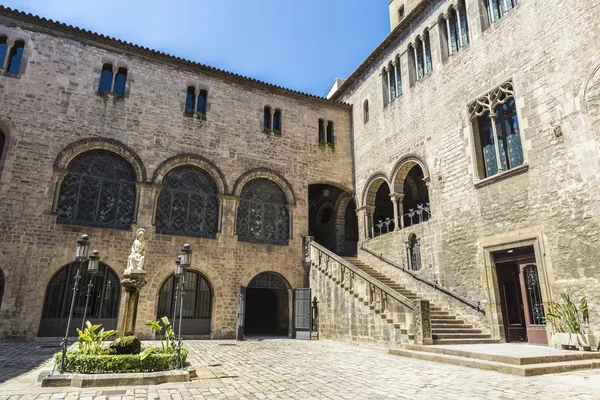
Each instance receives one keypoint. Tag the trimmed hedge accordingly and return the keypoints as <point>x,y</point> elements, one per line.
<point>119,363</point>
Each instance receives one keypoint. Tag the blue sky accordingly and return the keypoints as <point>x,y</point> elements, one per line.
<point>302,45</point>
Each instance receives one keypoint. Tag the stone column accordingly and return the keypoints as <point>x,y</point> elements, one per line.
<point>133,283</point>
<point>370,210</point>
<point>397,199</point>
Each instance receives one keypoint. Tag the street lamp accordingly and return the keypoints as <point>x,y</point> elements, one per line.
<point>81,255</point>
<point>176,277</point>
<point>93,267</point>
<point>185,260</point>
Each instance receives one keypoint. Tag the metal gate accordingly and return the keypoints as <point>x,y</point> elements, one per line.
<point>239,333</point>
<point>302,314</point>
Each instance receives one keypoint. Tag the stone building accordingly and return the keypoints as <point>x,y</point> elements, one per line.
<point>456,170</point>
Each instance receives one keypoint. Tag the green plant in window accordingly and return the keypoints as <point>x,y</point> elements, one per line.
<point>200,115</point>
<point>110,95</point>
<point>331,145</point>
<point>276,131</point>
<point>322,143</point>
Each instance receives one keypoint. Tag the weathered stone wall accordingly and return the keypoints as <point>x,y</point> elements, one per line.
<point>54,104</point>
<point>551,51</point>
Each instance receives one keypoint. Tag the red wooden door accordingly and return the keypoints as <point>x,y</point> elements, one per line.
<point>535,320</point>
<point>512,303</point>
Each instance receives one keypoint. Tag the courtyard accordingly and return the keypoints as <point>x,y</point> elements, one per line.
<point>293,369</point>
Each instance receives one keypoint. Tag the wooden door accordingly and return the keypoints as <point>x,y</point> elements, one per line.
<point>512,302</point>
<point>535,317</point>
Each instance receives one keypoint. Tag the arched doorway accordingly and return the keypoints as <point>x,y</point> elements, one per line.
<point>103,307</point>
<point>197,303</point>
<point>267,305</point>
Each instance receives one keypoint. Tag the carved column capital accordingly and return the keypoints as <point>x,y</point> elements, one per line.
<point>133,285</point>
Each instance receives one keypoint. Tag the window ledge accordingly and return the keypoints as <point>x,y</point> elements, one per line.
<point>11,75</point>
<point>194,116</point>
<point>506,174</point>
<point>272,132</point>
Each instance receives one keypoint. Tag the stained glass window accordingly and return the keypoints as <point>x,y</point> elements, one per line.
<point>16,55</point>
<point>99,190</point>
<point>428,63</point>
<point>464,24</point>
<point>497,8</point>
<point>106,78</point>
<point>488,146</point>
<point>420,65</point>
<point>263,214</point>
<point>120,81</point>
<point>453,32</point>
<point>187,204</point>
<point>190,100</point>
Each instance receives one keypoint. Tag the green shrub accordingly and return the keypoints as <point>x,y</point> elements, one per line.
<point>126,345</point>
<point>168,345</point>
<point>104,364</point>
<point>90,340</point>
<point>567,317</point>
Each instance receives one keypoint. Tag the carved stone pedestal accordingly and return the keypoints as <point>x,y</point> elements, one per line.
<point>133,283</point>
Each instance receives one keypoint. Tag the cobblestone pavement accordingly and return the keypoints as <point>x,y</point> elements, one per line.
<point>286,369</point>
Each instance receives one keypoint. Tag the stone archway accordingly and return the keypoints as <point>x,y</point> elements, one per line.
<point>267,305</point>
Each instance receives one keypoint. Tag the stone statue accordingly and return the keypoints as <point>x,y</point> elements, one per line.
<point>137,258</point>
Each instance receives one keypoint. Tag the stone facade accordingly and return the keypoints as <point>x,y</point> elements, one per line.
<point>551,53</point>
<point>51,112</point>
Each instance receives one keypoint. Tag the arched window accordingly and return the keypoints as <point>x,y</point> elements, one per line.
<point>383,215</point>
<point>190,100</point>
<point>201,107</point>
<point>392,77</point>
<point>366,111</point>
<point>498,8</point>
<point>463,23</point>
<point>103,306</point>
<point>414,253</point>
<point>322,131</point>
<point>330,132</point>
<point>1,287</point>
<point>187,204</point>
<point>428,62</point>
<point>416,198</point>
<point>398,77</point>
<point>16,55</point>
<point>120,81</point>
<point>263,214</point>
<point>197,303</point>
<point>386,86</point>
<point>106,79</point>
<point>277,121</point>
<point>454,30</point>
<point>3,50</point>
<point>98,190</point>
<point>419,56</point>
<point>267,119</point>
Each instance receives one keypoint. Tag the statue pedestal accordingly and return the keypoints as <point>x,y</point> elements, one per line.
<point>133,282</point>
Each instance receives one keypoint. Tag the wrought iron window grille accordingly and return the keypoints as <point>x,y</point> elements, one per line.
<point>422,212</point>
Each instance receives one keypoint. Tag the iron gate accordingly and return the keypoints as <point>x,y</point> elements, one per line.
<point>302,314</point>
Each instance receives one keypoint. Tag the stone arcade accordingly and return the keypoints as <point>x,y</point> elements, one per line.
<point>456,172</point>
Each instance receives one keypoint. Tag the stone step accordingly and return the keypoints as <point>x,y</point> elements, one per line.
<point>455,330</point>
<point>436,321</point>
<point>520,370</point>
<point>453,325</point>
<point>459,335</point>
<point>464,341</point>
<point>440,317</point>
<point>477,353</point>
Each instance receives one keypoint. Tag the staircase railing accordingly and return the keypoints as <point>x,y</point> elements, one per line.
<point>476,306</point>
<point>411,315</point>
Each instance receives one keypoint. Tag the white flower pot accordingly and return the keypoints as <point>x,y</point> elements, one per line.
<point>574,340</point>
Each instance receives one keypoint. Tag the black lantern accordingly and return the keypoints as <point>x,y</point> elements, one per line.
<point>185,258</point>
<point>94,262</point>
<point>178,267</point>
<point>83,248</point>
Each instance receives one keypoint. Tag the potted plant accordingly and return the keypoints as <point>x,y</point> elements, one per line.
<point>568,320</point>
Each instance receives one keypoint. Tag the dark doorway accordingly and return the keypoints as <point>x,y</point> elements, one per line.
<point>521,296</point>
<point>327,218</point>
<point>267,306</point>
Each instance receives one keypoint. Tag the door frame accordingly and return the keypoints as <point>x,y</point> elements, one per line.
<point>513,240</point>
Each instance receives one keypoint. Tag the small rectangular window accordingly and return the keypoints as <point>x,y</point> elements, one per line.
<point>330,133</point>
<point>321,131</point>
<point>267,119</point>
<point>190,100</point>
<point>277,122</point>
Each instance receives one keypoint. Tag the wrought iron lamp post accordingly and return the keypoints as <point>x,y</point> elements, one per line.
<point>81,255</point>
<point>185,260</point>
<point>176,277</point>
<point>93,266</point>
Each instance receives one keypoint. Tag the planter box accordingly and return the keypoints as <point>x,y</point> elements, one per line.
<point>573,340</point>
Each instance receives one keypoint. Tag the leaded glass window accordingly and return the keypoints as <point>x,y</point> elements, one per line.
<point>454,35</point>
<point>420,64</point>
<point>415,254</point>
<point>497,8</point>
<point>428,63</point>
<point>120,80</point>
<point>190,100</point>
<point>3,50</point>
<point>488,146</point>
<point>106,78</point>
<point>392,76</point>
<point>263,214</point>
<point>464,24</point>
<point>187,204</point>
<point>16,55</point>
<point>99,190</point>
<point>398,77</point>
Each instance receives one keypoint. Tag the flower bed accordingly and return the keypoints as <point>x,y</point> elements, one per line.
<point>120,363</point>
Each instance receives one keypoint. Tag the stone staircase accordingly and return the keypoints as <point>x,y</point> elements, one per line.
<point>446,327</point>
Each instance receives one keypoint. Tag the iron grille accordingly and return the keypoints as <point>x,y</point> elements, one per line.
<point>187,204</point>
<point>263,215</point>
<point>99,189</point>
<point>534,296</point>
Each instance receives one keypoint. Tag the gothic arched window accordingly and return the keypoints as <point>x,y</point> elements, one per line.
<point>263,214</point>
<point>277,122</point>
<point>414,253</point>
<point>197,303</point>
<point>106,78</point>
<point>187,204</point>
<point>16,55</point>
<point>267,118</point>
<point>202,102</point>
<point>190,100</point>
<point>99,190</point>
<point>120,81</point>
